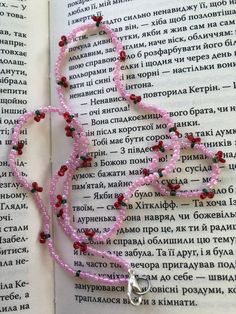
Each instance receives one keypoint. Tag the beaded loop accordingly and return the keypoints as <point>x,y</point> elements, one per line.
<point>80,158</point>
<point>34,187</point>
<point>173,190</point>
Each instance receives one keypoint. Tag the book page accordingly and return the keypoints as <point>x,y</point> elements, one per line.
<point>181,56</point>
<point>26,272</point>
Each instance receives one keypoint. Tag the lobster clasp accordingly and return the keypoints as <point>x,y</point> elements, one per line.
<point>134,289</point>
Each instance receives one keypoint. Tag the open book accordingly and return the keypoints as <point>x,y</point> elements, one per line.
<point>181,57</point>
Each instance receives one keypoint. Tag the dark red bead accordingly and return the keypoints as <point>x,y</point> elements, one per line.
<point>203,196</point>
<point>20,152</point>
<point>61,173</point>
<point>138,98</point>
<point>42,115</point>
<point>69,134</point>
<point>83,247</point>
<point>146,172</point>
<point>20,145</point>
<point>64,168</point>
<point>190,137</point>
<point>89,232</point>
<point>59,197</point>
<point>42,234</point>
<point>40,189</point>
<point>173,187</point>
<point>211,194</point>
<point>122,55</point>
<point>60,213</point>
<point>155,148</point>
<point>177,186</point>
<point>120,198</point>
<point>116,204</point>
<point>37,118</point>
<point>76,245</point>
<point>66,115</point>
<point>97,18</point>
<point>65,84</point>
<point>222,160</point>
<point>63,37</point>
<point>42,240</point>
<point>61,43</point>
<point>63,79</point>
<point>35,185</point>
<point>132,97</point>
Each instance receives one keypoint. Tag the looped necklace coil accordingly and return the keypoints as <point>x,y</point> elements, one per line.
<point>80,158</point>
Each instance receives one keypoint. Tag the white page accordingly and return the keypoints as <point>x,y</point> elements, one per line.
<point>26,272</point>
<point>196,81</point>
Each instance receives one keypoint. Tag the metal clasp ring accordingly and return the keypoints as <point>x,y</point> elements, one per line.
<point>135,289</point>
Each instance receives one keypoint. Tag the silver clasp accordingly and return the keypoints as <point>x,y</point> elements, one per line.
<point>135,289</point>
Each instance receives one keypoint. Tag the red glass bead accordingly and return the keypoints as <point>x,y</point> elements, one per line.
<point>59,197</point>
<point>69,134</point>
<point>120,198</point>
<point>122,55</point>
<point>89,233</point>
<point>138,98</point>
<point>35,185</point>
<point>20,152</point>
<point>40,189</point>
<point>97,18</point>
<point>190,138</point>
<point>64,168</point>
<point>69,120</point>
<point>177,186</point>
<point>155,148</point>
<point>203,196</point>
<point>76,245</point>
<point>20,145</point>
<point>63,37</point>
<point>66,115</point>
<point>219,156</point>
<point>63,79</point>
<point>61,43</point>
<point>42,115</point>
<point>60,213</point>
<point>61,173</point>
<point>42,234</point>
<point>116,204</point>
<point>132,97</point>
<point>146,172</point>
<point>211,194</point>
<point>173,187</point>
<point>65,84</point>
<point>37,118</point>
<point>42,240</point>
<point>83,247</point>
<point>178,133</point>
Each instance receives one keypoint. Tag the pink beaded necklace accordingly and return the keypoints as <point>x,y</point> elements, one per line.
<point>80,158</point>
